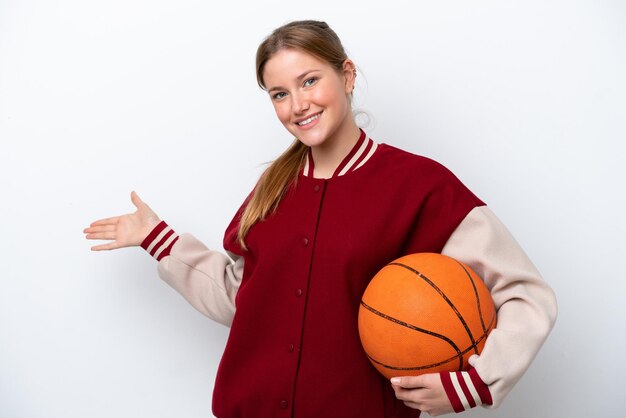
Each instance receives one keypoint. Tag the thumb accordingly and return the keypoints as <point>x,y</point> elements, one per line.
<point>134,197</point>
<point>144,210</point>
<point>409,381</point>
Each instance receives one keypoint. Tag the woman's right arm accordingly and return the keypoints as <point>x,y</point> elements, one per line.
<point>208,279</point>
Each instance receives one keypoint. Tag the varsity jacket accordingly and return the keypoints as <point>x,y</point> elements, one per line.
<point>292,298</point>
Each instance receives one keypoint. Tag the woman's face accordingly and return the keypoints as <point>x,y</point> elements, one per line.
<point>311,98</point>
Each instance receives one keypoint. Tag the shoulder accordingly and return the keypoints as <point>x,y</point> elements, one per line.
<point>422,175</point>
<point>408,164</point>
<point>231,235</point>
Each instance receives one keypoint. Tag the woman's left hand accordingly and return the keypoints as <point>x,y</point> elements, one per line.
<point>424,392</point>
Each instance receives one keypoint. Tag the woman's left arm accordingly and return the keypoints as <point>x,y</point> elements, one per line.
<point>526,311</point>
<point>525,303</point>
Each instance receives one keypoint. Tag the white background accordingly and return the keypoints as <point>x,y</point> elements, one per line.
<point>524,101</point>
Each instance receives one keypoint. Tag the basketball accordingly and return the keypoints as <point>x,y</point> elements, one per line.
<point>424,313</point>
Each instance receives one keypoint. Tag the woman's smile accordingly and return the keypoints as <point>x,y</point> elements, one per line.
<point>309,121</point>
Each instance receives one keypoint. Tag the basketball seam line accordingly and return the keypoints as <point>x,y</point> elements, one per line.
<point>428,366</point>
<point>480,312</point>
<point>410,326</point>
<point>445,297</point>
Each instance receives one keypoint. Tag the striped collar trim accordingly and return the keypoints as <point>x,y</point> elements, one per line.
<point>356,158</point>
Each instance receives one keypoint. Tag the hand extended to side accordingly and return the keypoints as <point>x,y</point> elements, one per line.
<point>125,230</point>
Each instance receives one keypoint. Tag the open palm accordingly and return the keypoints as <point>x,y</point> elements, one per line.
<point>125,230</point>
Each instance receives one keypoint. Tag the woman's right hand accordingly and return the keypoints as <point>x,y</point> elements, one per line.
<point>125,230</point>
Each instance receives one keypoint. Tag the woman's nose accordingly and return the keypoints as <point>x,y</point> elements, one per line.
<point>300,103</point>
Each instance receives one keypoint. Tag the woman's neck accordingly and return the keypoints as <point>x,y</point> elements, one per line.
<point>328,156</point>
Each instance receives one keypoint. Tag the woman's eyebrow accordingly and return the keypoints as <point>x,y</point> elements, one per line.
<point>300,77</point>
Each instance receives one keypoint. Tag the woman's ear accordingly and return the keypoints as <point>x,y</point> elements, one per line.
<point>349,73</point>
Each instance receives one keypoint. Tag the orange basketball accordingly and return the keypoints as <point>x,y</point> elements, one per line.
<point>424,313</point>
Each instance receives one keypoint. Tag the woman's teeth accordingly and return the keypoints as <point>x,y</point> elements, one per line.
<point>309,120</point>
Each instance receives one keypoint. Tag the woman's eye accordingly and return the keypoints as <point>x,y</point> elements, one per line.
<point>310,82</point>
<point>278,95</point>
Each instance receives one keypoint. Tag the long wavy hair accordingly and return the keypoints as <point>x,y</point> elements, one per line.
<point>319,40</point>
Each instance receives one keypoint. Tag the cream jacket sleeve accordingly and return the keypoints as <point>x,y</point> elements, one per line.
<point>207,279</point>
<point>526,305</point>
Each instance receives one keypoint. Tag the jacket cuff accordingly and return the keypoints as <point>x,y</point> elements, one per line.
<point>465,390</point>
<point>160,240</point>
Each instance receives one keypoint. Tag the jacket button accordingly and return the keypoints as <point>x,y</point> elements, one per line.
<point>316,188</point>
<point>305,241</point>
<point>291,347</point>
<point>299,292</point>
<point>284,404</point>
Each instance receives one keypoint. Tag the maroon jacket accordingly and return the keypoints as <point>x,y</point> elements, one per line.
<point>292,300</point>
<point>294,348</point>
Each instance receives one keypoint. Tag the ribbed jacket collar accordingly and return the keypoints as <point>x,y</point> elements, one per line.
<point>356,158</point>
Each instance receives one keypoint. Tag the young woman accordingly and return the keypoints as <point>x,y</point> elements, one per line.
<point>323,218</point>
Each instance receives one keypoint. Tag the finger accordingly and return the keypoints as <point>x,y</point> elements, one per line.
<point>100,228</point>
<point>412,382</point>
<point>101,235</point>
<point>134,197</point>
<point>109,246</point>
<point>409,394</point>
<point>401,394</point>
<point>106,221</point>
<point>412,405</point>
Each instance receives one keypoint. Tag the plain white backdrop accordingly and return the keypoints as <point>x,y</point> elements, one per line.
<point>524,101</point>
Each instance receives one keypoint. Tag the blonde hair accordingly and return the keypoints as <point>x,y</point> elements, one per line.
<point>319,40</point>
